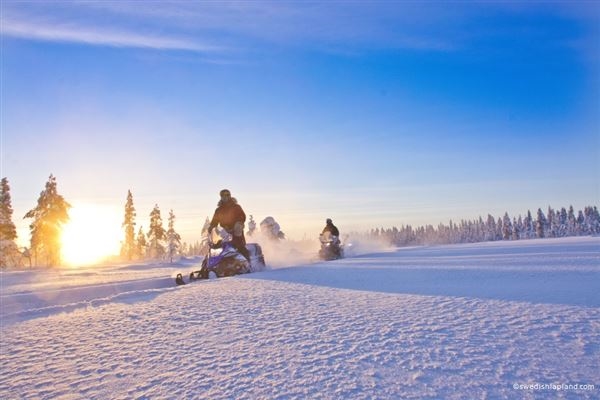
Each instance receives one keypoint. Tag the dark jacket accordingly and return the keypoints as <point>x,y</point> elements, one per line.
<point>331,228</point>
<point>227,214</point>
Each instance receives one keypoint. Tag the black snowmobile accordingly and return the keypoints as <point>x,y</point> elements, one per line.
<point>331,247</point>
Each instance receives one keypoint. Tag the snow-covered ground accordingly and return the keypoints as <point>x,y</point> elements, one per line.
<point>490,320</point>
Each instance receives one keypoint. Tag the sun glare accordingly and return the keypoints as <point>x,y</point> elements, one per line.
<point>92,234</point>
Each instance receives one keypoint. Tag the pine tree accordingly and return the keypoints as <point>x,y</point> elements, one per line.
<point>563,223</point>
<point>591,220</point>
<point>506,227</point>
<point>173,238</point>
<point>140,243</point>
<point>540,224</point>
<point>251,226</point>
<point>202,249</point>
<point>580,223</point>
<point>490,228</point>
<point>185,249</point>
<point>9,253</point>
<point>204,232</point>
<point>499,229</point>
<point>553,223</point>
<point>516,228</point>
<point>51,212</point>
<point>8,231</point>
<point>156,234</point>
<point>528,226</point>
<point>571,222</point>
<point>129,247</point>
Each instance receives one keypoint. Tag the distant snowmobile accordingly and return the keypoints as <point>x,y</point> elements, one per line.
<point>224,260</point>
<point>331,247</point>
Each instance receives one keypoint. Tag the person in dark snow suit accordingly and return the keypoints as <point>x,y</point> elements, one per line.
<point>230,215</point>
<point>333,230</point>
<point>330,227</point>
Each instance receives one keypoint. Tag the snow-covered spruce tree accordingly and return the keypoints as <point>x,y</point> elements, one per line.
<point>596,219</point>
<point>156,234</point>
<point>499,229</point>
<point>141,246</point>
<point>527,231</point>
<point>506,227</point>
<point>251,226</point>
<point>128,248</point>
<point>580,223</point>
<point>9,253</point>
<point>591,220</point>
<point>51,212</point>
<point>516,228</point>
<point>185,249</point>
<point>202,249</point>
<point>540,224</point>
<point>571,222</point>
<point>562,222</point>
<point>205,227</point>
<point>552,223</point>
<point>490,228</point>
<point>173,238</point>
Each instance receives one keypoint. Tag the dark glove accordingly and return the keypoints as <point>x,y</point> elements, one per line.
<point>238,229</point>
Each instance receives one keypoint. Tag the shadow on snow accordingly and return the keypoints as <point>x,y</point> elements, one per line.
<point>566,275</point>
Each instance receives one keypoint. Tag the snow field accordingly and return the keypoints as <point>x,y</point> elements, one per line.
<point>326,331</point>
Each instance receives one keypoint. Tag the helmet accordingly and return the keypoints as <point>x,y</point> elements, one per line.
<point>225,196</point>
<point>329,221</point>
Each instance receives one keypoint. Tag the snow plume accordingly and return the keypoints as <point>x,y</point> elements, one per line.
<point>280,252</point>
<point>284,253</point>
<point>357,243</point>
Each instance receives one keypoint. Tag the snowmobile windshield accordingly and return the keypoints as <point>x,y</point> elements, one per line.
<point>327,237</point>
<point>218,236</point>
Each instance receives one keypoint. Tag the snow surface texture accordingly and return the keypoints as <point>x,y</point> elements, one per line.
<point>444,322</point>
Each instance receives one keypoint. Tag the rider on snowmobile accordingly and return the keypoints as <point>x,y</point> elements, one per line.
<point>231,217</point>
<point>331,228</point>
<point>334,240</point>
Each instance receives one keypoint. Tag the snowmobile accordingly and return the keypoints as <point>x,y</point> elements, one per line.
<point>331,247</point>
<point>223,259</point>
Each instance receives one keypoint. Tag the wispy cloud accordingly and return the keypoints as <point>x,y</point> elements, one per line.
<point>99,36</point>
<point>344,27</point>
<point>209,26</point>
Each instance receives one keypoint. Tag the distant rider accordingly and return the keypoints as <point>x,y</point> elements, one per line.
<point>335,233</point>
<point>231,217</point>
<point>331,228</point>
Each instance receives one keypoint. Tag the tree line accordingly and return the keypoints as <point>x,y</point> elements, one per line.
<point>552,224</point>
<point>52,213</point>
<point>158,243</point>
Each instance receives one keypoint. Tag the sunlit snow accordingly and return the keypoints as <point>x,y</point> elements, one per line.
<point>490,320</point>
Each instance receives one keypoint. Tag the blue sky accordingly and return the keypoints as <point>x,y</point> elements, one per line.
<point>371,113</point>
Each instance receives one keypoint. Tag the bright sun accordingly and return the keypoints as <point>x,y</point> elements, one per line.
<point>92,234</point>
